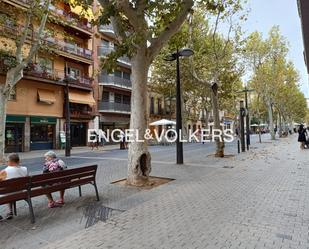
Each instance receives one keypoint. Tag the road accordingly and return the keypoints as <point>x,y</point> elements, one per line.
<point>158,153</point>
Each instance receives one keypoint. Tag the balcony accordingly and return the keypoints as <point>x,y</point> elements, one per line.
<point>113,107</point>
<point>106,50</point>
<point>56,76</point>
<point>81,111</point>
<point>107,29</point>
<point>69,49</point>
<point>112,80</point>
<point>61,47</point>
<point>72,19</point>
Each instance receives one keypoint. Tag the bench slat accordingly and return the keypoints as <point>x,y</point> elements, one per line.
<point>47,180</point>
<point>61,186</point>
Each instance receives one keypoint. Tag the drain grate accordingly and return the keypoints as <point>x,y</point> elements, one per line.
<point>228,167</point>
<point>94,213</point>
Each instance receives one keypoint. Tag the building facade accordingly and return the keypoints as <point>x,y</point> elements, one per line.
<point>115,87</point>
<point>35,111</point>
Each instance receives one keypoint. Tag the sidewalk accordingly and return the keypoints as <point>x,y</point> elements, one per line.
<point>263,202</point>
<point>235,202</point>
<point>75,150</point>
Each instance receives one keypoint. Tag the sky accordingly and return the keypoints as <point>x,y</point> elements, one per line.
<point>266,13</point>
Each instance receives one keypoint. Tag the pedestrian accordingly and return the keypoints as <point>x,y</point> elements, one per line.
<point>94,140</point>
<point>13,170</point>
<point>122,137</point>
<point>302,136</point>
<point>102,136</point>
<point>53,164</point>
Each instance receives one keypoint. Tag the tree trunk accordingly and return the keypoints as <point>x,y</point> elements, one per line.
<point>280,125</point>
<point>271,121</point>
<point>3,103</point>
<point>217,125</point>
<point>139,160</point>
<point>206,118</point>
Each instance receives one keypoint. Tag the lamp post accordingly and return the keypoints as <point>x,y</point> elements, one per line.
<point>172,57</point>
<point>246,90</point>
<point>67,79</point>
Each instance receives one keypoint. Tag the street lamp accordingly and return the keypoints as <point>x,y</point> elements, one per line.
<point>246,90</point>
<point>67,79</point>
<point>172,57</point>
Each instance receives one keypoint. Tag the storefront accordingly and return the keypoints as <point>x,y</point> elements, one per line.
<point>14,133</point>
<point>79,133</point>
<point>42,133</point>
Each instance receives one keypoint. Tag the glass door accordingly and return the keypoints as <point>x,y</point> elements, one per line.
<point>14,138</point>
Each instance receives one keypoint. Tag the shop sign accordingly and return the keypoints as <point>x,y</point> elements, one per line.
<point>43,120</point>
<point>15,119</point>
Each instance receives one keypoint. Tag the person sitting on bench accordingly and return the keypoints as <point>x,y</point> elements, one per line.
<point>13,170</point>
<point>53,164</point>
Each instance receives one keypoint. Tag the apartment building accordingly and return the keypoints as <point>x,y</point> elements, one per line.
<point>35,111</point>
<point>115,87</point>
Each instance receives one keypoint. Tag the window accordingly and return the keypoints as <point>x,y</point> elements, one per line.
<point>118,73</point>
<point>74,72</point>
<point>151,105</point>
<point>12,95</point>
<point>105,43</point>
<point>159,106</point>
<point>42,133</point>
<point>126,99</point>
<point>126,75</point>
<point>45,65</point>
<point>105,96</point>
<point>118,98</point>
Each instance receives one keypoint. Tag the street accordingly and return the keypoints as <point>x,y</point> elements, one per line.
<point>159,153</point>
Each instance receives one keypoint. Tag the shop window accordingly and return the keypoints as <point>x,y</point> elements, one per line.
<point>12,95</point>
<point>42,133</point>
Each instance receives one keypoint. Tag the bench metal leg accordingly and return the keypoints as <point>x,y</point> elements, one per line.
<point>32,218</point>
<point>14,208</point>
<point>96,191</point>
<point>80,190</point>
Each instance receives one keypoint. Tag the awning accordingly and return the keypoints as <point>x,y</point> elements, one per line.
<point>46,96</point>
<point>79,97</point>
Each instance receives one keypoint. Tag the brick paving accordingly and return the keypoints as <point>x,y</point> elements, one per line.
<point>260,203</point>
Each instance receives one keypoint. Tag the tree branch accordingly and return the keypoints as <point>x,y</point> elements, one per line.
<point>158,42</point>
<point>39,35</point>
<point>20,42</point>
<point>130,13</point>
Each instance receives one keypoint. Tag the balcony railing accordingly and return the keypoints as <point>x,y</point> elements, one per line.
<point>105,50</point>
<point>115,80</point>
<point>106,28</point>
<point>81,113</point>
<point>114,107</point>
<point>68,47</point>
<point>71,18</point>
<point>15,30</point>
<point>55,75</point>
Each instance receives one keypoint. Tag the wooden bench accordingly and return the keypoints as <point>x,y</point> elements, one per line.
<point>29,187</point>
